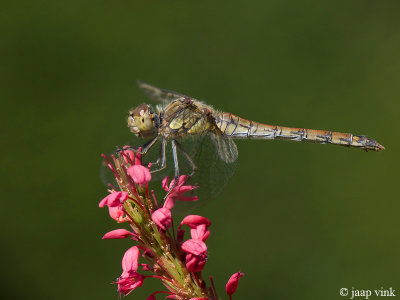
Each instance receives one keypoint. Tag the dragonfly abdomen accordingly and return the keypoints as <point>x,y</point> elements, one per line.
<point>237,127</point>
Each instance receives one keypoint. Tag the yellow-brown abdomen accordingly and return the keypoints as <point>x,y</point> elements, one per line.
<point>237,127</point>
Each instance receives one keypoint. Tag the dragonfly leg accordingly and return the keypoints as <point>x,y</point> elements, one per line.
<point>176,166</point>
<point>188,158</point>
<point>162,157</point>
<point>145,148</point>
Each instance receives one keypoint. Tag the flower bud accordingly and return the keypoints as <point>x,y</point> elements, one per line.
<point>233,282</point>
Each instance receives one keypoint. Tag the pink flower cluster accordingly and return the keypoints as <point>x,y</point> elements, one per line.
<point>177,263</point>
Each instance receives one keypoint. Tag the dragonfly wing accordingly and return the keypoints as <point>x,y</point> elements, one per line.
<point>106,175</point>
<point>215,158</point>
<point>226,148</point>
<point>214,170</point>
<point>159,95</point>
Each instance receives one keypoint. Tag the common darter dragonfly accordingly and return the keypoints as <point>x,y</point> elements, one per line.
<point>202,138</point>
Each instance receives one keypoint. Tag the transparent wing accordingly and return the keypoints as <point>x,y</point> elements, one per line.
<point>216,164</point>
<point>106,176</point>
<point>226,148</point>
<point>160,95</point>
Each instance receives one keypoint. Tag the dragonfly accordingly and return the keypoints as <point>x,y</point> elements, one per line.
<point>179,118</point>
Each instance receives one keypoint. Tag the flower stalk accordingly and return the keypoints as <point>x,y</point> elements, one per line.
<point>178,264</point>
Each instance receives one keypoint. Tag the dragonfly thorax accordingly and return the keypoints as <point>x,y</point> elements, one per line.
<point>142,121</point>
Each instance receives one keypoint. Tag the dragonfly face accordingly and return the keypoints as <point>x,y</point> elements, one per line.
<point>142,121</point>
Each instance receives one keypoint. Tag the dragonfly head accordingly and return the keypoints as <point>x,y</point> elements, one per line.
<point>143,121</point>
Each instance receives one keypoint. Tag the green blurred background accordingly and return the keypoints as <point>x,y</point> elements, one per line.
<point>300,220</point>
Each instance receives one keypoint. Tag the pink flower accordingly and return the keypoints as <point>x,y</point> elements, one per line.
<point>114,202</point>
<point>195,263</point>
<point>118,234</point>
<point>177,191</point>
<point>126,284</point>
<point>139,174</point>
<point>163,250</point>
<point>198,225</point>
<point>130,279</point>
<point>196,256</point>
<point>162,217</point>
<point>114,199</point>
<point>130,157</point>
<point>232,284</point>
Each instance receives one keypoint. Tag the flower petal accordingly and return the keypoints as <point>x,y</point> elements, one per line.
<point>139,174</point>
<point>114,199</point>
<point>117,213</point>
<point>117,234</point>
<point>130,260</point>
<point>195,247</point>
<point>194,220</point>
<point>162,217</point>
<point>200,232</point>
<point>164,183</point>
